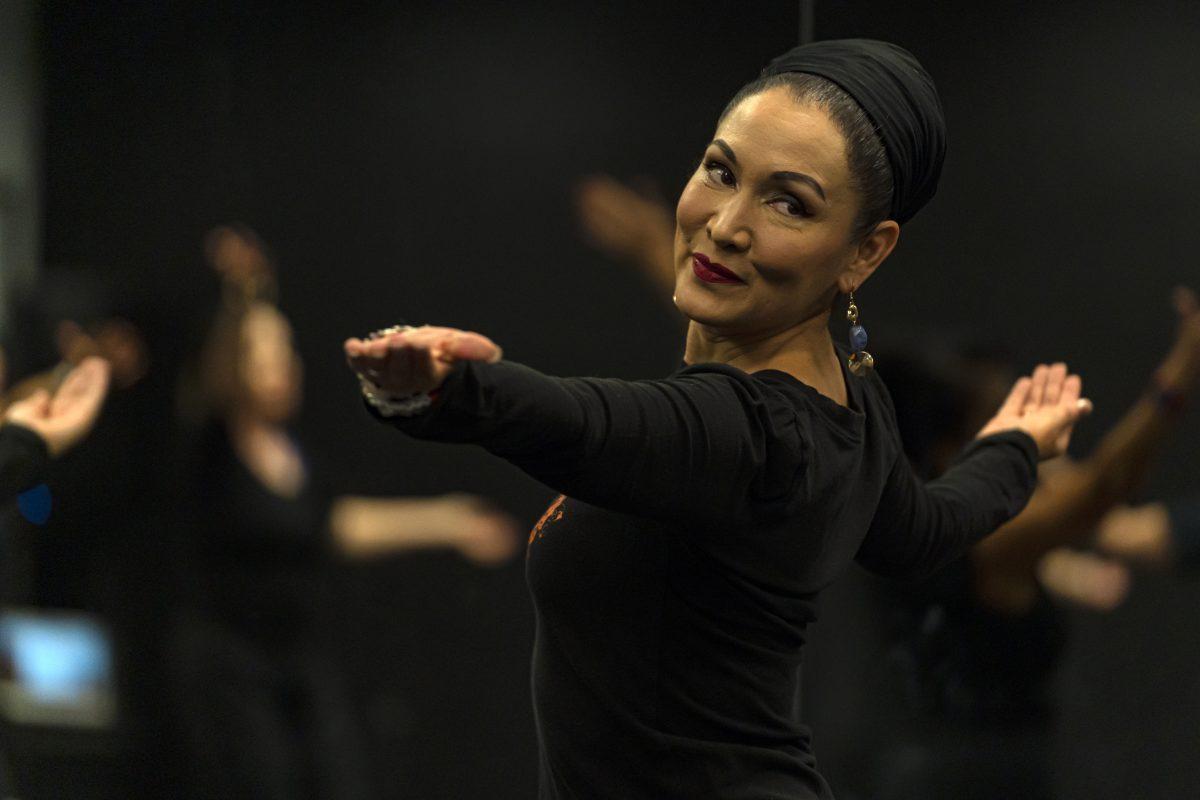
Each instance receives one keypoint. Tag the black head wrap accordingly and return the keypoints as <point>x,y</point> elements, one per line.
<point>899,98</point>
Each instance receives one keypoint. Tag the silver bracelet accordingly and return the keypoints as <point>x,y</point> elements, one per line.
<point>386,404</point>
<point>382,332</point>
<point>390,406</point>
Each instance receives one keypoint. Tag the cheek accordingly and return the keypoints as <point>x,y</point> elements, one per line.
<point>798,257</point>
<point>694,207</point>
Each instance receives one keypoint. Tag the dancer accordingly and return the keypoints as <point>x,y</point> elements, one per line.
<point>263,703</point>
<point>702,513</point>
<point>973,718</point>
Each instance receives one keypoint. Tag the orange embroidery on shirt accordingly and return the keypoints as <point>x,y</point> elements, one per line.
<point>553,514</point>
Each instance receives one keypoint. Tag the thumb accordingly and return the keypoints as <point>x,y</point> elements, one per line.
<point>34,407</point>
<point>39,403</point>
<point>1070,414</point>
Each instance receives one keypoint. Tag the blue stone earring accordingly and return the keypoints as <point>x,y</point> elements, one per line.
<point>860,360</point>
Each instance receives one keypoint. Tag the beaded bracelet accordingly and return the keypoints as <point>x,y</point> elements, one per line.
<point>386,404</point>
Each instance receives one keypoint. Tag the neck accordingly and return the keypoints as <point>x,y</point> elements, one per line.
<point>804,351</point>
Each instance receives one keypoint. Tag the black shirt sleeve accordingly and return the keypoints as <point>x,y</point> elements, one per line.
<point>23,459</point>
<point>1185,529</point>
<point>920,527</point>
<point>704,445</point>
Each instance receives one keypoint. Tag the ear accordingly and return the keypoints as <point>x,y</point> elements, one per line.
<point>870,253</point>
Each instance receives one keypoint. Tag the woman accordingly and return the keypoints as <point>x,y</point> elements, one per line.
<point>703,512</point>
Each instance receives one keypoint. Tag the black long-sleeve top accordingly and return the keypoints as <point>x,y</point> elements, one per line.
<point>257,560</point>
<point>1184,515</point>
<point>673,582</point>
<point>23,459</point>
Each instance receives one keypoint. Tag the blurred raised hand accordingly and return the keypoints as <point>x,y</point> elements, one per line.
<point>239,256</point>
<point>63,418</point>
<point>1139,534</point>
<point>1181,369</point>
<point>1187,306</point>
<point>1084,579</point>
<point>635,226</point>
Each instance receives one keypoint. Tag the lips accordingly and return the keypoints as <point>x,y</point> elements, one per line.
<point>712,272</point>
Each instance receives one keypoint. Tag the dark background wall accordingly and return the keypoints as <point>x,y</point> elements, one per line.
<point>416,161</point>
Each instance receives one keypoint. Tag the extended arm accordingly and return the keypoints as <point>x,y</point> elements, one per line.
<point>364,527</point>
<point>919,527</point>
<point>697,446</point>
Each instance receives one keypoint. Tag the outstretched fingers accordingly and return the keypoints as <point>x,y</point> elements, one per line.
<point>1037,388</point>
<point>1016,399</point>
<point>1071,408</point>
<point>1056,376</point>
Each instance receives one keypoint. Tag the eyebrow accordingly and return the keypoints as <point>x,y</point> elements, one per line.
<point>777,176</point>
<point>726,149</point>
<point>802,178</point>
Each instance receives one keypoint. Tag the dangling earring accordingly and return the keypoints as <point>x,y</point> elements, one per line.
<point>860,360</point>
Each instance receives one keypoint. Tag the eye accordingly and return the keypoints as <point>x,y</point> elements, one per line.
<point>790,206</point>
<point>718,173</point>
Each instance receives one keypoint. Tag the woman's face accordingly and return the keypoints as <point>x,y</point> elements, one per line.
<point>764,233</point>
<point>270,369</point>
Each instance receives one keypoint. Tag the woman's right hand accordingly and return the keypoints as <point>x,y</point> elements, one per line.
<point>416,360</point>
<point>1046,405</point>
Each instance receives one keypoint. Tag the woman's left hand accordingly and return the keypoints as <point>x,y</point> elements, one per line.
<point>1045,405</point>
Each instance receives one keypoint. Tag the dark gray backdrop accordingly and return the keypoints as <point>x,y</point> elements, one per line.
<point>415,160</point>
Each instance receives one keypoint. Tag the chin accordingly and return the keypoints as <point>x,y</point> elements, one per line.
<point>704,306</point>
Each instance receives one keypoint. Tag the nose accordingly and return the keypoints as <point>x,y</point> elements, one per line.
<point>729,227</point>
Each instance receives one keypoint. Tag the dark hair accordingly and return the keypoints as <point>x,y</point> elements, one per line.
<point>870,172</point>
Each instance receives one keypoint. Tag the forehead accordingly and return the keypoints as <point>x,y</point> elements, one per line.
<point>770,131</point>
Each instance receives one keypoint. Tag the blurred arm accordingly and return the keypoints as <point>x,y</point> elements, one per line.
<point>1073,498</point>
<point>1154,534</point>
<point>372,526</point>
<point>694,446</point>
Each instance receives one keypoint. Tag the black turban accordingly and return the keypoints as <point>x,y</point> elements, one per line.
<point>899,98</point>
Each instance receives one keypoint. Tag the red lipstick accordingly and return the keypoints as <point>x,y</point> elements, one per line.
<point>711,271</point>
